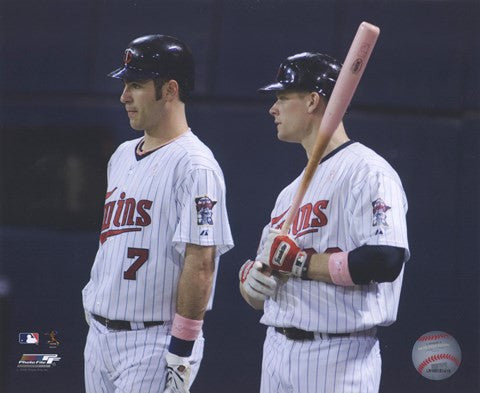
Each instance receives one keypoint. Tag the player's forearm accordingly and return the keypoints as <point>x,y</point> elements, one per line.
<point>193,293</point>
<point>361,266</point>
<point>196,281</point>
<point>318,268</point>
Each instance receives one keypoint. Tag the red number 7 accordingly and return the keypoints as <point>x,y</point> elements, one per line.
<point>142,255</point>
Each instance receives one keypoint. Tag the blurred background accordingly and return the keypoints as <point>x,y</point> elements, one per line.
<point>418,105</point>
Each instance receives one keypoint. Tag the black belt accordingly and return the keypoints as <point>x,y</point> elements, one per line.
<point>123,325</point>
<point>299,334</point>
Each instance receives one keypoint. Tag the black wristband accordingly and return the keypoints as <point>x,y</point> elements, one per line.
<point>305,268</point>
<point>300,266</point>
<point>180,347</point>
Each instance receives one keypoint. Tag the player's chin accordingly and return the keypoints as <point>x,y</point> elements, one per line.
<point>136,126</point>
<point>280,133</point>
<point>285,137</point>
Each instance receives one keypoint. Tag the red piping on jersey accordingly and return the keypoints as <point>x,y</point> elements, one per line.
<point>109,193</point>
<point>105,235</point>
<point>300,234</point>
<point>275,220</point>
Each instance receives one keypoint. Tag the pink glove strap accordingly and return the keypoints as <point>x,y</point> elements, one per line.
<point>338,269</point>
<point>185,328</point>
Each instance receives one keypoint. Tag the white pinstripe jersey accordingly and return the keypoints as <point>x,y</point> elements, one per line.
<point>355,198</point>
<point>155,204</point>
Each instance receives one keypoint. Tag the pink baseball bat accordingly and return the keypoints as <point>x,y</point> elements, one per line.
<point>347,82</point>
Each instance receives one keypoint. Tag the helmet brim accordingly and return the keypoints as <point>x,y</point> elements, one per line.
<point>127,73</point>
<point>118,73</point>
<point>273,87</point>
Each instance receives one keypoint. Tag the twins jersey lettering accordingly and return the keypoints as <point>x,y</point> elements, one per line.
<point>155,204</point>
<point>355,198</point>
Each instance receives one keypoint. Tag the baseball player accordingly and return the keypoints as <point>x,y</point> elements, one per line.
<point>337,274</point>
<point>164,228</point>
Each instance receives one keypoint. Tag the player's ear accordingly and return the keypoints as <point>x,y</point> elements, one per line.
<point>171,89</point>
<point>314,102</point>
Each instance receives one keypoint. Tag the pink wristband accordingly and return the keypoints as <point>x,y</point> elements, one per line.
<point>338,269</point>
<point>185,328</point>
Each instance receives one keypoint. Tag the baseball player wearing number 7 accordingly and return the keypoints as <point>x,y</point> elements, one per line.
<point>337,275</point>
<point>164,228</point>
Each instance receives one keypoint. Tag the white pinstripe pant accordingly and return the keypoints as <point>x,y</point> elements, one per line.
<point>130,361</point>
<point>335,365</point>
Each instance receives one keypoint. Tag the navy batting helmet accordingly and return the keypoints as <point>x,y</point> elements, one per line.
<point>307,71</point>
<point>158,56</point>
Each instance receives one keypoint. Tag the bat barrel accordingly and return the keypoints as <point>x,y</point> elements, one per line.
<point>352,70</point>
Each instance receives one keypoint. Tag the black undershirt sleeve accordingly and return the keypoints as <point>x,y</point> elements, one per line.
<point>375,264</point>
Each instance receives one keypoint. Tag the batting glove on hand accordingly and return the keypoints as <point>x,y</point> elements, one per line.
<point>178,374</point>
<point>282,253</point>
<point>256,284</point>
<point>264,255</point>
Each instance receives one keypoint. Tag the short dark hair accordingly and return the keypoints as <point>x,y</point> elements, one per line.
<point>159,82</point>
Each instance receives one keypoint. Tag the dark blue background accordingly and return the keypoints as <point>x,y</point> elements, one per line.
<point>418,105</point>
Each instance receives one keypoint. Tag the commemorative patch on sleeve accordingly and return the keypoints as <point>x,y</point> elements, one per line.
<point>204,207</point>
<point>380,209</point>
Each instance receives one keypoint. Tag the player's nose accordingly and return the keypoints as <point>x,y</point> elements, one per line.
<point>273,110</point>
<point>125,96</point>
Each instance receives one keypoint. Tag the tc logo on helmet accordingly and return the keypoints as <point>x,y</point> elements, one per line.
<point>128,56</point>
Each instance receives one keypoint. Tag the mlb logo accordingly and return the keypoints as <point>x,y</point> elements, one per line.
<point>28,338</point>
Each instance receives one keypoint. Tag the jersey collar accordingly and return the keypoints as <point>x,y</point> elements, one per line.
<point>335,151</point>
<point>139,154</point>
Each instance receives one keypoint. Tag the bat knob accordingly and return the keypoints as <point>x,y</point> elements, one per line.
<point>267,270</point>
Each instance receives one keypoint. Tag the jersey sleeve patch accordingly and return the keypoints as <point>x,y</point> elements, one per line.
<point>380,209</point>
<point>204,206</point>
